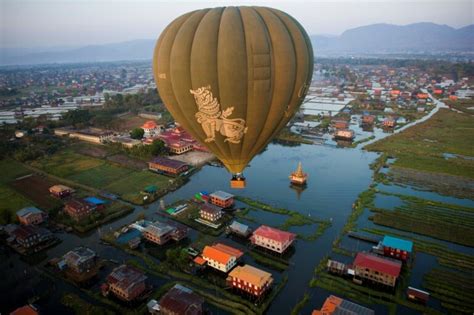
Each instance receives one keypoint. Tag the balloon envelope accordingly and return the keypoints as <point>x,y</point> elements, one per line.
<point>233,77</point>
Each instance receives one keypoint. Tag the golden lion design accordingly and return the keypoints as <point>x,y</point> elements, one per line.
<point>212,119</point>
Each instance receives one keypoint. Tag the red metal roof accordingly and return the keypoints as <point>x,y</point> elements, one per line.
<point>274,234</point>
<point>149,125</point>
<point>181,300</point>
<point>229,250</point>
<point>25,310</point>
<point>418,293</point>
<point>168,162</point>
<point>378,263</point>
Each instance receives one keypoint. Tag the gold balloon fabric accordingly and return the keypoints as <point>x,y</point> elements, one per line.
<point>233,77</point>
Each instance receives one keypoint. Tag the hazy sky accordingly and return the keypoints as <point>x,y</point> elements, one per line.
<point>44,23</point>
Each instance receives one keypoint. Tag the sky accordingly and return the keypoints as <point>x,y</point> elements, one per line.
<point>75,23</point>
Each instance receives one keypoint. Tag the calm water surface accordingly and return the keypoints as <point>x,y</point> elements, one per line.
<point>336,177</point>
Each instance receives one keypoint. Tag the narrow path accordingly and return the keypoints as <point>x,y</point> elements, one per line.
<point>438,104</point>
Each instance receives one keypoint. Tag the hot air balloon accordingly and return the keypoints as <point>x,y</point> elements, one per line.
<point>233,77</point>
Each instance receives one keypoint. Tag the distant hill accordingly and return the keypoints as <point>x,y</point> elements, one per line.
<point>372,39</point>
<point>388,38</point>
<point>141,49</point>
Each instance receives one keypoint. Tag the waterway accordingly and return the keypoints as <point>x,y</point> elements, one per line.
<point>336,177</point>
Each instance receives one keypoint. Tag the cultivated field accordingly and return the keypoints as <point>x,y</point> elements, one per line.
<point>101,174</point>
<point>36,189</point>
<point>423,147</point>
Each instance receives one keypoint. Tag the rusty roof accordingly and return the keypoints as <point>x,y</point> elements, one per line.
<point>251,275</point>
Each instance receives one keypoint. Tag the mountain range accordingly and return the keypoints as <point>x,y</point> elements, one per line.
<point>370,39</point>
<point>388,38</point>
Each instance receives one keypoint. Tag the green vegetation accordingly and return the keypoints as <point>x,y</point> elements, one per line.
<point>421,147</point>
<point>363,201</point>
<point>79,306</point>
<point>454,290</point>
<point>299,306</point>
<point>294,218</point>
<point>436,219</point>
<point>286,135</point>
<point>102,174</point>
<point>142,152</point>
<point>31,146</point>
<point>356,143</point>
<point>465,106</point>
<point>137,133</point>
<point>189,215</point>
<point>10,200</point>
<point>269,261</point>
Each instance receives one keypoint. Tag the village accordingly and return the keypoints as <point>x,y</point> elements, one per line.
<point>209,248</point>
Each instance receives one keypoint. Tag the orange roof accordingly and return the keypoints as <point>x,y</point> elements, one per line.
<point>149,125</point>
<point>251,275</point>
<point>330,305</point>
<point>334,304</point>
<point>229,250</point>
<point>199,260</point>
<point>25,310</point>
<point>216,255</point>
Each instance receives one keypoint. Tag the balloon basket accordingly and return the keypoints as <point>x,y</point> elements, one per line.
<point>237,183</point>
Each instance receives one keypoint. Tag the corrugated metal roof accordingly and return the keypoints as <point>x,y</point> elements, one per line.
<point>274,234</point>
<point>239,227</point>
<point>95,200</point>
<point>168,162</point>
<point>398,243</point>
<point>222,195</point>
<point>251,275</point>
<point>28,210</point>
<point>378,263</point>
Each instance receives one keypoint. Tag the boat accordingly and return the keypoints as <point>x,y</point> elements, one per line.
<point>298,177</point>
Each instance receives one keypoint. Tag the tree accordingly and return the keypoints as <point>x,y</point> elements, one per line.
<point>158,147</point>
<point>77,117</point>
<point>137,133</point>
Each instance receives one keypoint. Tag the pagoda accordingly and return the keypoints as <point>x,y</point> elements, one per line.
<point>298,177</point>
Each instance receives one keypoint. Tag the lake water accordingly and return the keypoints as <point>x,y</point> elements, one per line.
<point>336,177</point>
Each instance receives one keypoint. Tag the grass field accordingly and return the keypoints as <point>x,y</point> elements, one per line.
<point>465,106</point>
<point>101,174</point>
<point>10,200</point>
<point>421,147</point>
<point>129,186</point>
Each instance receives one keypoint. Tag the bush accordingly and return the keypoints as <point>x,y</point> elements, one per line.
<point>137,133</point>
